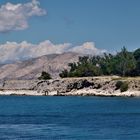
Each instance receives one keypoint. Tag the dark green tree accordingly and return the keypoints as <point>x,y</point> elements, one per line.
<point>125,62</point>
<point>64,73</point>
<point>137,57</point>
<point>107,64</point>
<point>45,76</point>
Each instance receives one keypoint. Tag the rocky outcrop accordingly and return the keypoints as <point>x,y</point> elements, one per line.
<point>18,84</point>
<point>91,86</point>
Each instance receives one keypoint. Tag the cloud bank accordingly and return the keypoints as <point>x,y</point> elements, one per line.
<point>15,16</point>
<point>13,51</point>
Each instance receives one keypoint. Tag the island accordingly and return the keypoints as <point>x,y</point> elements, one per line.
<point>102,75</point>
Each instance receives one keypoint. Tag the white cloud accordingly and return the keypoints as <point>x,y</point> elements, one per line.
<point>88,48</point>
<point>15,16</point>
<point>13,51</point>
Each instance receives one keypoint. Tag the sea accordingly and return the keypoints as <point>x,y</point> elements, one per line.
<point>69,118</point>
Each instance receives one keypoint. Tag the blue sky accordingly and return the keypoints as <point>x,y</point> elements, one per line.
<point>110,24</point>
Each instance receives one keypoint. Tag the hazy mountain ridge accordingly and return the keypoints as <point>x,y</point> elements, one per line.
<point>32,68</point>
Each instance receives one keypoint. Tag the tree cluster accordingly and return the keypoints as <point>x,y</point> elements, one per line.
<point>124,63</point>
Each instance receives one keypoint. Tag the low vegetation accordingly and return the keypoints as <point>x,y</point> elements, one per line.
<point>123,86</point>
<point>45,76</point>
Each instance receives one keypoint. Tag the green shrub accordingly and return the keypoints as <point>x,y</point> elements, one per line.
<point>118,85</point>
<point>123,86</point>
<point>45,76</point>
<point>64,73</point>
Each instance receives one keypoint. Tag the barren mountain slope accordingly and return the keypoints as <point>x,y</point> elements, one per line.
<point>31,69</point>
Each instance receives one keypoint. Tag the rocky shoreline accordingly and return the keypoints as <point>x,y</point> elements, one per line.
<point>87,86</point>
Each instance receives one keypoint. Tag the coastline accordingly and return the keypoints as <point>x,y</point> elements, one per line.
<point>82,92</point>
<point>85,86</point>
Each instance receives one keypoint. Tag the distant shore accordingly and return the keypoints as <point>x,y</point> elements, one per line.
<point>85,86</point>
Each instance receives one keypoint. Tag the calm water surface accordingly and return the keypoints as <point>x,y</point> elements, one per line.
<point>69,118</point>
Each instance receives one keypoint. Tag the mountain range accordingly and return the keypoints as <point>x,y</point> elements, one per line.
<point>32,68</point>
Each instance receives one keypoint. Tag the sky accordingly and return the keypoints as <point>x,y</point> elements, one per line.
<point>31,28</point>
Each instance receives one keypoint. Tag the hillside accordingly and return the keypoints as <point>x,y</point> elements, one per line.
<point>31,69</point>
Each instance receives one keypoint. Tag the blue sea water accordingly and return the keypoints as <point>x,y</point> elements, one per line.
<point>69,118</point>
